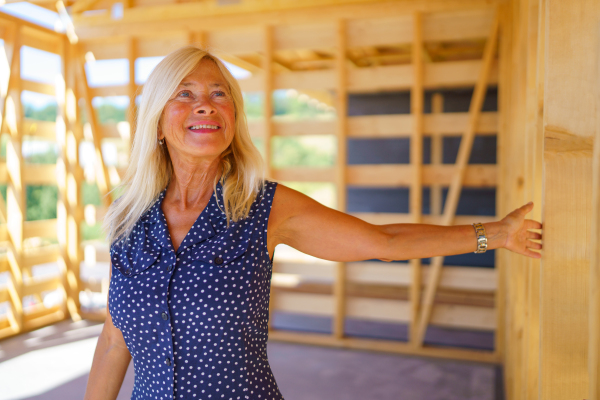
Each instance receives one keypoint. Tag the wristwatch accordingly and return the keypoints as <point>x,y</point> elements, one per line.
<point>481,238</point>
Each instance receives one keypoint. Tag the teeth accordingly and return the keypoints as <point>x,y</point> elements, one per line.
<point>204,127</point>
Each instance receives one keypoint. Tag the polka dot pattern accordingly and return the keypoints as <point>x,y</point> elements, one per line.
<point>196,321</point>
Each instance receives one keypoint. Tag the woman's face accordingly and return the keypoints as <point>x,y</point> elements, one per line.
<point>198,121</point>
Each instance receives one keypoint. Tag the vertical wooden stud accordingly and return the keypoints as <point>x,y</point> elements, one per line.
<point>132,86</point>
<point>500,336</point>
<point>570,122</point>
<point>461,163</point>
<point>268,95</point>
<point>267,67</point>
<point>594,346</point>
<point>102,176</point>
<point>533,179</point>
<point>437,107</point>
<point>339,289</point>
<point>416,161</point>
<point>15,193</point>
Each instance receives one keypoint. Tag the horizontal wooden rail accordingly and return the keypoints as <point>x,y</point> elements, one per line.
<point>42,255</point>
<point>388,346</point>
<point>478,318</point>
<point>478,279</point>
<point>39,129</point>
<point>447,74</point>
<point>403,218</point>
<point>400,175</point>
<point>383,126</point>
<point>39,286</point>
<point>40,228</point>
<point>38,87</point>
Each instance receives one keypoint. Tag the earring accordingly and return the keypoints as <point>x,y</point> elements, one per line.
<point>161,141</point>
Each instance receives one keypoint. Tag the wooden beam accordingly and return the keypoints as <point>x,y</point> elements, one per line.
<point>185,16</point>
<point>570,122</point>
<point>395,311</point>
<point>533,178</point>
<point>12,118</point>
<point>437,108</point>
<point>82,5</point>
<point>102,177</point>
<point>416,161</point>
<point>404,218</point>
<point>594,337</point>
<point>399,175</point>
<point>458,178</point>
<point>387,346</point>
<point>339,291</point>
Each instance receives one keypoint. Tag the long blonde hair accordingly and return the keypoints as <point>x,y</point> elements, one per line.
<point>150,168</point>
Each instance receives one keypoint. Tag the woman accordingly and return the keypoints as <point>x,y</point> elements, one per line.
<point>193,237</point>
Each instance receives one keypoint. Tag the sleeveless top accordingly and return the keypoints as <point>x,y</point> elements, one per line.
<point>196,321</point>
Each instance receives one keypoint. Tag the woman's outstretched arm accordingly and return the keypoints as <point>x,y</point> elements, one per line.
<point>110,363</point>
<point>306,225</point>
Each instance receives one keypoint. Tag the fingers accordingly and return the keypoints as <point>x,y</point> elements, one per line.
<point>534,235</point>
<point>531,224</point>
<point>534,245</point>
<point>532,254</point>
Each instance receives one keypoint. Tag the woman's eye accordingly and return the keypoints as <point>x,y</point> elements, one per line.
<point>220,94</point>
<point>184,94</point>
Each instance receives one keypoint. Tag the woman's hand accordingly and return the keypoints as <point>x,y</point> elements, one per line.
<point>518,237</point>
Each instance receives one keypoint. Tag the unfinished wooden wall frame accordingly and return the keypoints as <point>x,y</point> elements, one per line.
<point>346,292</point>
<point>17,174</point>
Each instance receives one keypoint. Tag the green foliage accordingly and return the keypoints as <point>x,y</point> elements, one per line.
<point>92,232</point>
<point>108,113</point>
<point>47,157</point>
<point>90,194</point>
<point>41,202</point>
<point>286,105</point>
<point>308,151</point>
<point>47,113</point>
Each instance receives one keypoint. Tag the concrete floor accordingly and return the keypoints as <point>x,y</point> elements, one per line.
<point>52,363</point>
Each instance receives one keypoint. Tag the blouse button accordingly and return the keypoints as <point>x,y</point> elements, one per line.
<point>128,271</point>
<point>169,268</point>
<point>164,316</point>
<point>168,361</point>
<point>218,261</point>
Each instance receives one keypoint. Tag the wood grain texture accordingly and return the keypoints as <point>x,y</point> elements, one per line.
<point>570,113</point>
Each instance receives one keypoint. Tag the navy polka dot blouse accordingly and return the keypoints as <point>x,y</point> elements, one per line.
<point>195,320</point>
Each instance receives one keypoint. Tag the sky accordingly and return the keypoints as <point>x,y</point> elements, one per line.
<point>41,66</point>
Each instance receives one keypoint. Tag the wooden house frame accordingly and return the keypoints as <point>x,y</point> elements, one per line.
<point>545,154</point>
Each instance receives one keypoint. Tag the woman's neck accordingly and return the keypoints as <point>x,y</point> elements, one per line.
<point>192,183</point>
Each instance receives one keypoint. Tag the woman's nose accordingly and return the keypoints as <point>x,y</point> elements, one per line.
<point>204,106</point>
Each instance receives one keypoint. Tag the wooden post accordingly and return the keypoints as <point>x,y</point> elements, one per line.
<point>267,67</point>
<point>416,161</point>
<point>437,107</point>
<point>455,187</point>
<point>15,193</point>
<point>594,352</point>
<point>67,185</point>
<point>268,99</point>
<point>570,115</point>
<point>339,289</point>
<point>500,337</point>
<point>534,178</point>
<point>131,87</point>
<point>102,176</point>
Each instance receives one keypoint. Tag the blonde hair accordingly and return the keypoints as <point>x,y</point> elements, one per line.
<point>150,168</point>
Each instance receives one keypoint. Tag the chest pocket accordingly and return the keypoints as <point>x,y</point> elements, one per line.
<point>220,253</point>
<point>134,261</point>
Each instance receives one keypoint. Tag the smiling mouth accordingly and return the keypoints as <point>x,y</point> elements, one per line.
<point>204,126</point>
